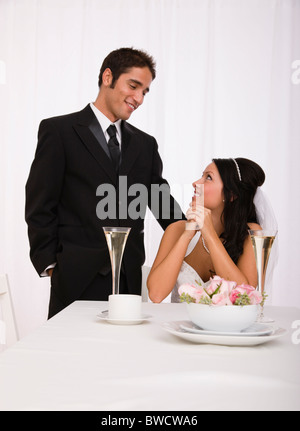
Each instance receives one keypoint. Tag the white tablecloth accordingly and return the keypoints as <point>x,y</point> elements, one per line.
<point>78,362</point>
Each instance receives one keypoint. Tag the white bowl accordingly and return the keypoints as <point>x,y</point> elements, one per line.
<point>223,318</point>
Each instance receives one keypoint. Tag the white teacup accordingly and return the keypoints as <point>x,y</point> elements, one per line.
<point>124,307</point>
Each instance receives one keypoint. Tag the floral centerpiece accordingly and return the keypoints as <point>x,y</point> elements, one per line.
<point>220,292</point>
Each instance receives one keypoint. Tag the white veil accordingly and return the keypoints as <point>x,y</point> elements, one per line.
<point>267,220</point>
<point>264,211</point>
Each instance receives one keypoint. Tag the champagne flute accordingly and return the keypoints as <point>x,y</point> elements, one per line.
<point>116,238</point>
<point>262,241</point>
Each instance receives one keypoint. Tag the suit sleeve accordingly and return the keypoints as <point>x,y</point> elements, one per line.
<point>162,204</point>
<point>43,189</point>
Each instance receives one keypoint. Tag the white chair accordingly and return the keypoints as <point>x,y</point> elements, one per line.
<point>8,321</point>
<point>145,273</point>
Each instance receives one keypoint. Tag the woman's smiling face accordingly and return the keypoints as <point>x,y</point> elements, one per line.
<point>213,187</point>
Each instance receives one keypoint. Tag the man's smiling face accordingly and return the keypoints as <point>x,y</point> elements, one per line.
<point>127,93</point>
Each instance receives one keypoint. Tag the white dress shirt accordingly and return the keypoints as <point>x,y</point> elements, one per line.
<point>105,123</point>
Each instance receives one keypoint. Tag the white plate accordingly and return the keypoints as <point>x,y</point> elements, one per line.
<point>104,316</point>
<point>257,329</point>
<point>174,328</point>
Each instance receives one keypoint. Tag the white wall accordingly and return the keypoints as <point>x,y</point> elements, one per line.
<point>225,87</point>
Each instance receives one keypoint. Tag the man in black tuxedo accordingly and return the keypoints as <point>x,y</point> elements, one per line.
<point>77,163</point>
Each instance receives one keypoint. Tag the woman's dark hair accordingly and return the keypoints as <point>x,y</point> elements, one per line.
<point>239,209</point>
<point>123,59</point>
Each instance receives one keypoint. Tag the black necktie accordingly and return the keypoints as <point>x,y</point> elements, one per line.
<point>113,146</point>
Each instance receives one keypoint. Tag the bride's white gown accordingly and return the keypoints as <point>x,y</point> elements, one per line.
<point>187,274</point>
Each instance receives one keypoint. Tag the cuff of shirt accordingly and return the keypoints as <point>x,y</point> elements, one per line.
<point>45,273</point>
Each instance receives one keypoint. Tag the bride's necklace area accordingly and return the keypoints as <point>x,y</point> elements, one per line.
<point>204,245</point>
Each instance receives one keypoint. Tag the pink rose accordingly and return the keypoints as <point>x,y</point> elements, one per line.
<point>247,288</point>
<point>227,286</point>
<point>221,299</point>
<point>255,297</point>
<point>227,292</point>
<point>200,294</point>
<point>239,290</point>
<point>187,288</point>
<point>250,291</point>
<point>214,284</point>
<point>233,295</point>
<point>195,292</point>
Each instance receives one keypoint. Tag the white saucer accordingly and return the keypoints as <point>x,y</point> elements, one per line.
<point>175,328</point>
<point>104,316</point>
<point>257,329</point>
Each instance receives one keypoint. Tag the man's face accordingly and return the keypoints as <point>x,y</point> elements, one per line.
<point>127,94</point>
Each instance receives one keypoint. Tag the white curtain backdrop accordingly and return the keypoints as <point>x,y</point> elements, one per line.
<point>228,85</point>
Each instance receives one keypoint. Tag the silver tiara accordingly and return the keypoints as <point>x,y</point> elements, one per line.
<point>238,169</point>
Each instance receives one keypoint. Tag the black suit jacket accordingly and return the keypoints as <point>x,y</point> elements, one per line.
<point>71,162</point>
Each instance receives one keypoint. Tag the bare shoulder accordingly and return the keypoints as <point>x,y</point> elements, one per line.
<point>254,226</point>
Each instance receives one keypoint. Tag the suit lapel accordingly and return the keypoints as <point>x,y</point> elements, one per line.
<point>97,131</point>
<point>130,148</point>
<point>92,136</point>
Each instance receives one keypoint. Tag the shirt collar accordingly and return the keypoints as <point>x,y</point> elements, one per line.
<point>105,122</point>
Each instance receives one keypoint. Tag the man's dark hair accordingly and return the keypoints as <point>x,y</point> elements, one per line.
<point>123,59</point>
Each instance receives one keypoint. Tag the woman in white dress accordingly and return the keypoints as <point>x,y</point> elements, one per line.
<point>215,239</point>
